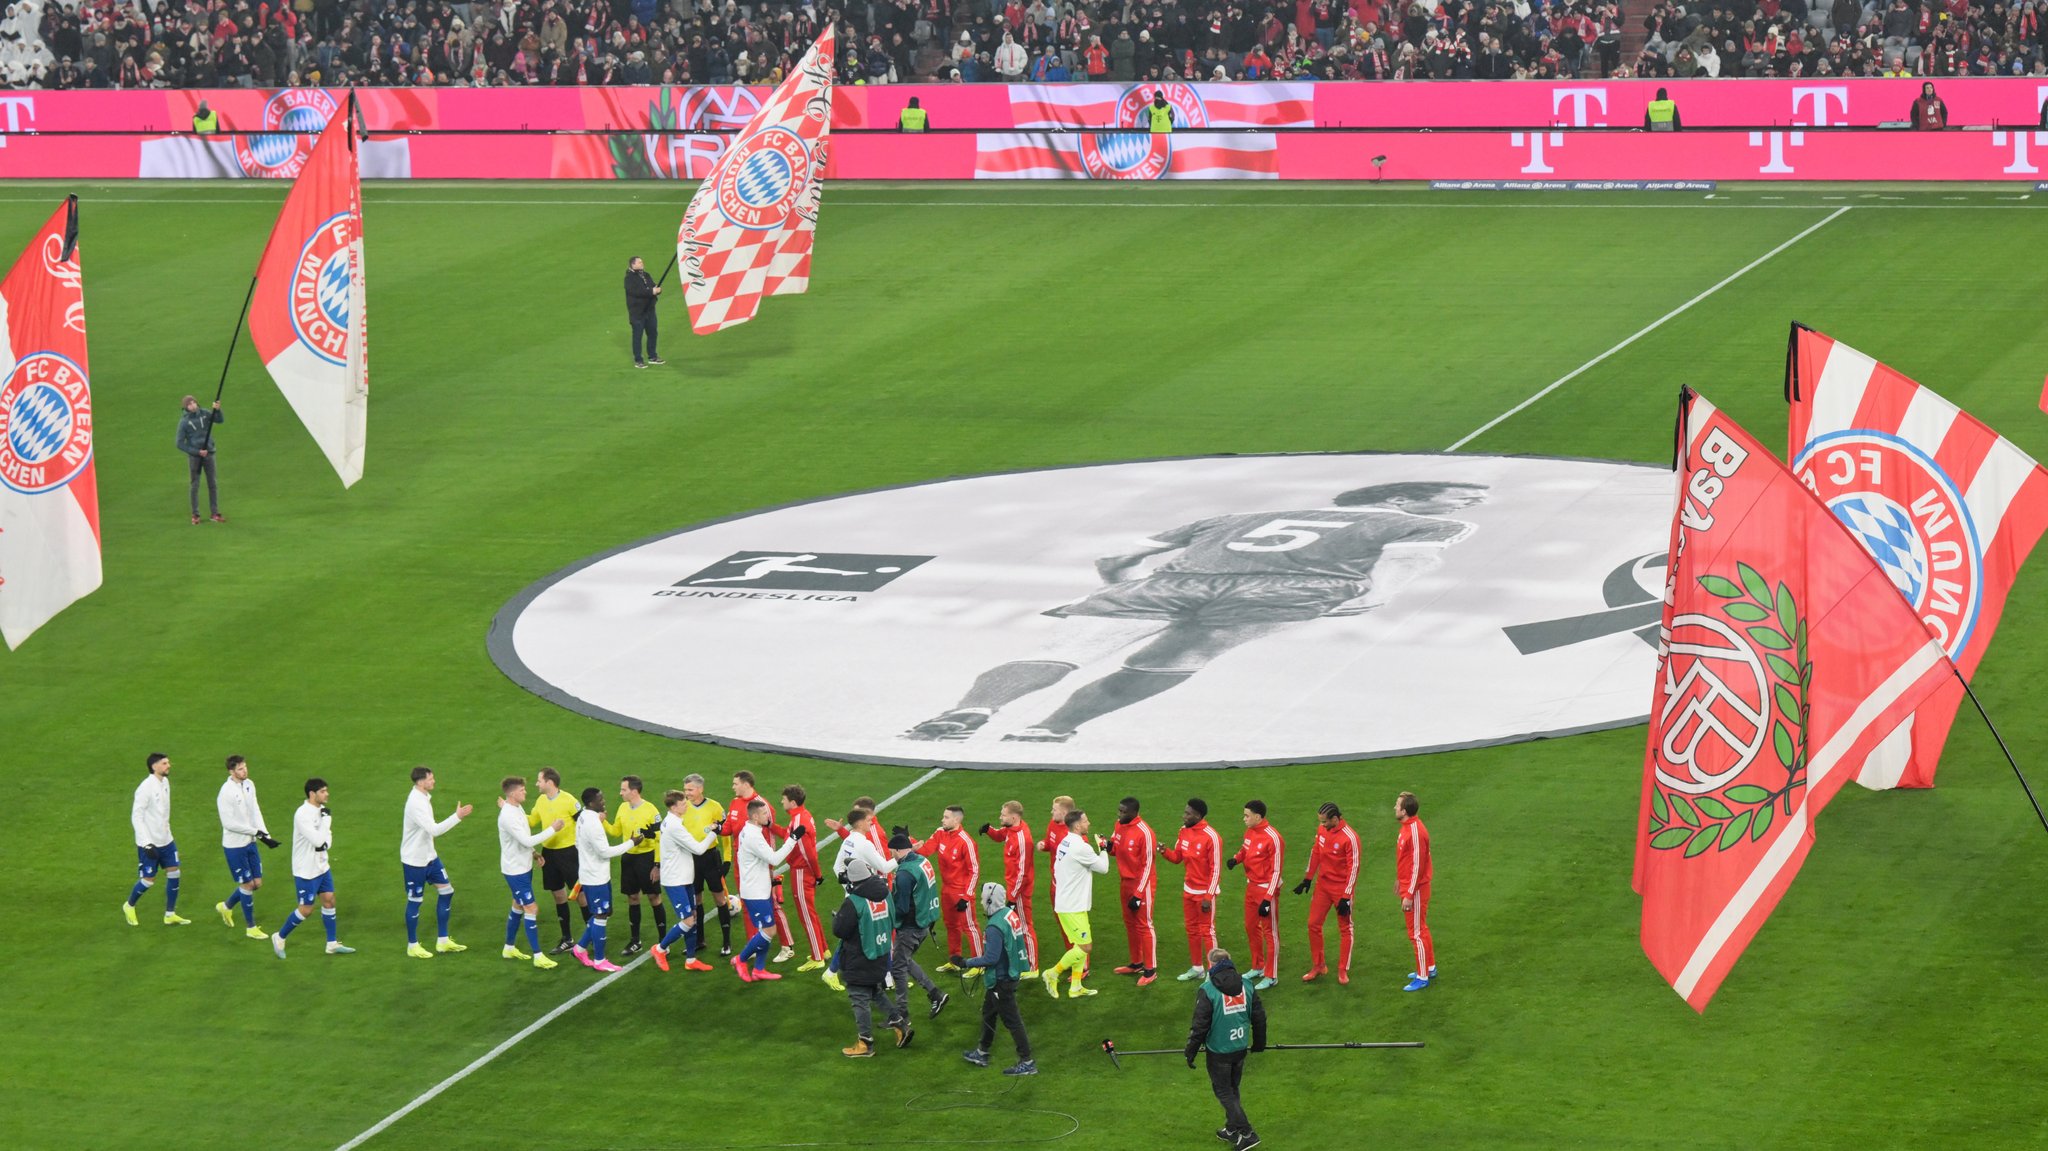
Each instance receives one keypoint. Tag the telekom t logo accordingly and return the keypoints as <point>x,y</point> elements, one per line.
<point>1579,98</point>
<point>1535,142</point>
<point>18,108</point>
<point>1817,102</point>
<point>2021,165</point>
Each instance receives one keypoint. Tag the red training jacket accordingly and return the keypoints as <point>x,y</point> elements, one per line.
<point>1333,861</point>
<point>1135,847</point>
<point>959,863</point>
<point>1411,858</point>
<point>1201,849</point>
<point>1018,863</point>
<point>1261,857</point>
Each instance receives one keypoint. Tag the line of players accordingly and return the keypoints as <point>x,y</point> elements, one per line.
<point>695,849</point>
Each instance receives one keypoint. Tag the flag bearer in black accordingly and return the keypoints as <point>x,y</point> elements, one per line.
<point>641,295</point>
<point>1229,1019</point>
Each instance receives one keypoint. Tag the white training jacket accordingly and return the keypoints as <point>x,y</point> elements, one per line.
<point>151,815</point>
<point>758,861</point>
<point>679,850</point>
<point>417,834</point>
<point>515,843</point>
<point>595,850</point>
<point>241,821</point>
<point>312,837</point>
<point>1071,867</point>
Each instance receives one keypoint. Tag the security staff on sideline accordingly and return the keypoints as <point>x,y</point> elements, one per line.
<point>1229,1019</point>
<point>641,295</point>
<point>205,121</point>
<point>1662,113</point>
<point>1158,115</point>
<point>914,118</point>
<point>195,439</point>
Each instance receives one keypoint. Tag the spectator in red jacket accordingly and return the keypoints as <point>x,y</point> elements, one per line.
<point>1200,850</point>
<point>1134,848</point>
<point>1262,856</point>
<point>1333,873</point>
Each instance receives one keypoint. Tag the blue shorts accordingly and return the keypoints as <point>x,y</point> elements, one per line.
<point>522,887</point>
<point>244,863</point>
<point>760,913</point>
<point>417,878</point>
<point>310,890</point>
<point>598,897</point>
<point>149,859</point>
<point>683,899</point>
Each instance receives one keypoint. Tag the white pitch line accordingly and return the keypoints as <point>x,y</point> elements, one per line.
<point>560,1010</point>
<point>1646,330</point>
<point>1362,205</point>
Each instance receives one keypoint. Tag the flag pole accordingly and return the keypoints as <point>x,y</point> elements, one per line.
<point>234,339</point>
<point>665,271</point>
<point>2017,773</point>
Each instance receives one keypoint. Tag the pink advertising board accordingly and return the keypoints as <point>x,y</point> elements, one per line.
<point>1762,130</point>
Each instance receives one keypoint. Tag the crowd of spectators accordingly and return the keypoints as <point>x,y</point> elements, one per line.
<point>1814,38</point>
<point>282,43</point>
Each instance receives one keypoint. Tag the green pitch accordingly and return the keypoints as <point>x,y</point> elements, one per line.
<point>1894,1000</point>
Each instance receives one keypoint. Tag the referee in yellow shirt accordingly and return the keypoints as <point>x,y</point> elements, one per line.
<point>640,870</point>
<point>558,851</point>
<point>700,816</point>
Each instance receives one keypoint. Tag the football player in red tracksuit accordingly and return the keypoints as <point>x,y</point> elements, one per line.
<point>1263,858</point>
<point>805,875</point>
<point>735,818</point>
<point>1055,831</point>
<point>1333,872</point>
<point>959,883</point>
<point>1134,848</point>
<point>1019,866</point>
<point>1200,849</point>
<point>1411,883</point>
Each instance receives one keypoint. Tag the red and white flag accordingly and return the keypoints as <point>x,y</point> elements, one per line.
<point>1947,507</point>
<point>49,494</point>
<point>308,317</point>
<point>1785,656</point>
<point>1056,145</point>
<point>748,231</point>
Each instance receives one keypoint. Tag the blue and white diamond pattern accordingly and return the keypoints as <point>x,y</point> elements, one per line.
<point>38,423</point>
<point>1888,534</point>
<point>334,288</point>
<point>764,178</point>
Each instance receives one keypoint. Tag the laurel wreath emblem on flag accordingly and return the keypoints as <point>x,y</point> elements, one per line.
<point>1735,810</point>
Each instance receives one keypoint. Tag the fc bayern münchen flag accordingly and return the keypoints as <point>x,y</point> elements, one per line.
<point>307,318</point>
<point>747,232</point>
<point>1785,656</point>
<point>49,495</point>
<point>1947,507</point>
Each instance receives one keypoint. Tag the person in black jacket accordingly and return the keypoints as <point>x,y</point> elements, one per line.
<point>642,293</point>
<point>195,439</point>
<point>867,937</point>
<point>1229,1019</point>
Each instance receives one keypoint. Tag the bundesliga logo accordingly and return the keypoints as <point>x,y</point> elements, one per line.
<point>320,289</point>
<point>292,121</point>
<point>1928,546</point>
<point>1141,155</point>
<point>764,180</point>
<point>45,424</point>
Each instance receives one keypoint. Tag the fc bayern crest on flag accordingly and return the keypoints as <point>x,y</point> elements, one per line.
<point>292,121</point>
<point>1929,545</point>
<point>320,289</point>
<point>45,424</point>
<point>1140,154</point>
<point>764,179</point>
